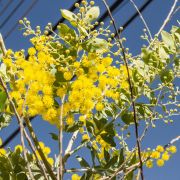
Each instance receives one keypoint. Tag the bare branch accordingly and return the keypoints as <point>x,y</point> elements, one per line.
<point>61,166</point>
<point>130,88</point>
<point>36,142</point>
<point>20,122</point>
<point>2,45</point>
<point>34,152</point>
<point>143,20</point>
<point>70,144</point>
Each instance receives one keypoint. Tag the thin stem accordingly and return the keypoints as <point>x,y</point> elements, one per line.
<point>20,124</point>
<point>36,142</point>
<point>168,18</point>
<point>143,20</point>
<point>2,45</point>
<point>60,168</point>
<point>34,152</point>
<point>70,144</point>
<point>130,88</point>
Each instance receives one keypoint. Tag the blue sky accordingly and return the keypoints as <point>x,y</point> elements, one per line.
<point>48,11</point>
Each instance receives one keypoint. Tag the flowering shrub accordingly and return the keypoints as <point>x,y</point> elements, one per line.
<point>83,81</point>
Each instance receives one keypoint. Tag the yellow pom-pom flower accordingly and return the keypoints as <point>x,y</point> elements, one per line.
<point>2,152</point>
<point>155,155</point>
<point>50,161</point>
<point>160,148</point>
<point>31,51</point>
<point>85,137</point>
<point>70,121</point>
<point>149,164</point>
<point>75,177</point>
<point>68,76</point>
<point>172,149</point>
<point>160,162</point>
<point>19,147</point>
<point>99,106</point>
<point>165,156</point>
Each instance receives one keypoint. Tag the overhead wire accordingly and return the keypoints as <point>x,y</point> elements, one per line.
<point>5,7</point>
<point>134,16</point>
<point>125,25</point>
<point>11,14</point>
<point>25,14</point>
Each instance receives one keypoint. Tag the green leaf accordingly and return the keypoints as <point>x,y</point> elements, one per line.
<point>145,54</point>
<point>129,176</point>
<point>60,77</point>
<point>108,113</point>
<point>72,128</point>
<point>5,120</point>
<point>127,117</point>
<point>108,138</point>
<point>3,72</point>
<point>110,129</point>
<point>143,109</point>
<point>82,161</point>
<point>87,176</point>
<point>3,99</point>
<point>168,40</point>
<point>111,162</point>
<point>121,157</point>
<point>106,155</point>
<point>21,176</point>
<point>70,16</point>
<point>66,31</point>
<point>175,29</point>
<point>54,136</point>
<point>83,30</point>
<point>96,45</point>
<point>162,53</point>
<point>90,127</point>
<point>167,76</point>
<point>92,14</point>
<point>100,123</point>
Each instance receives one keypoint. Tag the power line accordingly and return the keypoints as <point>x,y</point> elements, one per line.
<point>25,14</point>
<point>134,16</point>
<point>112,8</point>
<point>4,9</point>
<point>125,25</point>
<point>11,14</point>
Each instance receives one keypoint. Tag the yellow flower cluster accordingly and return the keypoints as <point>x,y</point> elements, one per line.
<point>33,80</point>
<point>46,150</point>
<point>97,80</point>
<point>2,152</point>
<point>75,177</point>
<point>34,88</point>
<point>161,155</point>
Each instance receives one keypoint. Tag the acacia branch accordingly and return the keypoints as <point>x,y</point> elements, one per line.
<point>135,166</point>
<point>143,20</point>
<point>61,166</point>
<point>36,142</point>
<point>40,165</point>
<point>70,144</point>
<point>130,88</point>
<point>2,45</point>
<point>20,121</point>
<point>20,124</point>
